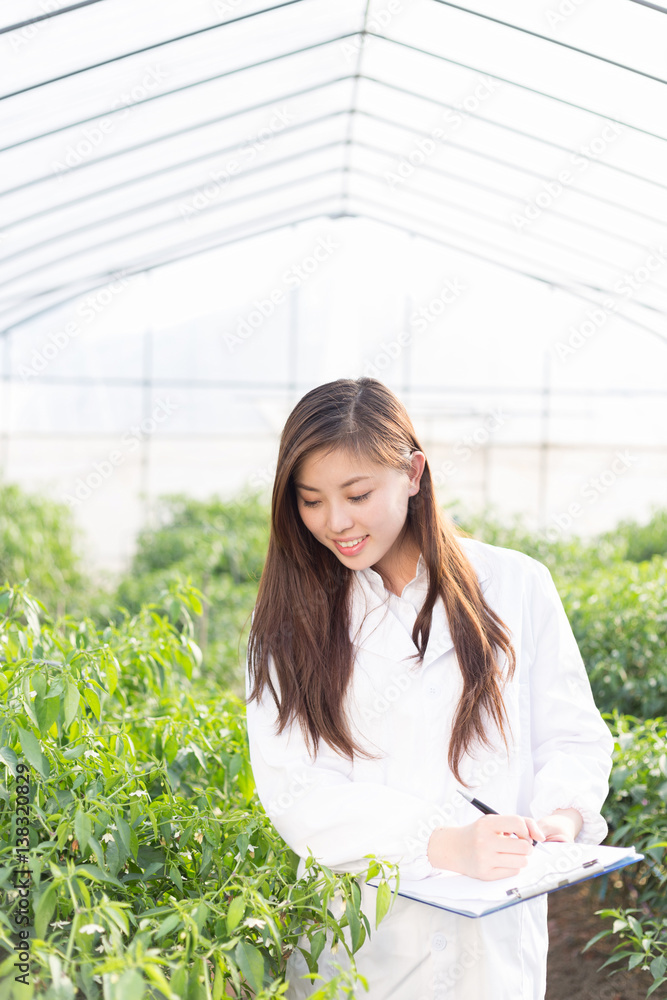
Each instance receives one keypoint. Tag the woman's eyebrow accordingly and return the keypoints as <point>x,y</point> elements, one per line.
<point>313,489</point>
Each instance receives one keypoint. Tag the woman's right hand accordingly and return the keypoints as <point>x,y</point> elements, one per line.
<point>486,848</point>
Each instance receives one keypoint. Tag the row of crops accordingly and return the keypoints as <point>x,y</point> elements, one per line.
<point>135,859</point>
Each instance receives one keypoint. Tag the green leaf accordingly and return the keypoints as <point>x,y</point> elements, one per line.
<point>317,943</point>
<point>382,902</point>
<point>111,672</point>
<point>72,699</point>
<point>83,828</point>
<point>98,875</point>
<point>355,925</point>
<point>93,701</point>
<point>251,963</point>
<point>32,752</point>
<point>175,877</point>
<point>653,988</point>
<point>658,966</point>
<point>44,911</point>
<point>130,986</point>
<point>635,960</point>
<point>235,913</point>
<point>169,924</point>
<point>127,836</point>
<point>10,758</point>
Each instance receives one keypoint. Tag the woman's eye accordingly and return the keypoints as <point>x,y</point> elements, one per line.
<point>310,503</point>
<point>359,499</point>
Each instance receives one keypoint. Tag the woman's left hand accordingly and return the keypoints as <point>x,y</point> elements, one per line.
<point>562,825</point>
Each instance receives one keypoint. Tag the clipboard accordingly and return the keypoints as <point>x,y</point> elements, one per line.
<point>554,866</point>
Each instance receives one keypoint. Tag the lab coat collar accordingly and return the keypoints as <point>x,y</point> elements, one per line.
<point>374,628</point>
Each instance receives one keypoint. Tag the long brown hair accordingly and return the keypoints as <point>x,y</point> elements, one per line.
<point>301,618</point>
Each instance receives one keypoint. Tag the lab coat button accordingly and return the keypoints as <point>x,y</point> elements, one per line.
<point>433,690</point>
<point>439,942</point>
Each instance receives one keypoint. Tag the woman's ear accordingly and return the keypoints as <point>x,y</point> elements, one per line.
<point>416,471</point>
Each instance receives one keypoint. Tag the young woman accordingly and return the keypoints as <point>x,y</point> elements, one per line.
<point>391,662</point>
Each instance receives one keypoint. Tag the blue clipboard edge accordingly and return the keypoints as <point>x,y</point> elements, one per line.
<point>621,863</point>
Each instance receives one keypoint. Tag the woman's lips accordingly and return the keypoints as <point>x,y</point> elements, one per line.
<point>351,550</point>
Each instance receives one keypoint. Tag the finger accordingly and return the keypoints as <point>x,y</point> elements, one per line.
<point>513,824</point>
<point>534,829</point>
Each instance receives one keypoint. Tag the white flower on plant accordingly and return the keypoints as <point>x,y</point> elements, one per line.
<point>254,922</point>
<point>91,929</point>
<point>106,837</point>
<point>139,792</point>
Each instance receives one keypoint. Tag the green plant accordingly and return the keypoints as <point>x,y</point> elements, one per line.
<point>219,544</point>
<point>635,811</point>
<point>154,869</point>
<point>619,617</point>
<point>38,542</point>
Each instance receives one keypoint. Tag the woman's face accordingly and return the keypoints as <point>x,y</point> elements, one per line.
<point>355,507</point>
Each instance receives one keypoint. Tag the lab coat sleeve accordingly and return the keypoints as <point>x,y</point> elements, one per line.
<point>571,744</point>
<point>316,807</point>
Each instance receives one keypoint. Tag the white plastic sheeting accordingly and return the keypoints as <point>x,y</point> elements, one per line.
<point>528,134</point>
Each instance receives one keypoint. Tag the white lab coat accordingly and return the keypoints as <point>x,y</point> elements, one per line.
<point>560,757</point>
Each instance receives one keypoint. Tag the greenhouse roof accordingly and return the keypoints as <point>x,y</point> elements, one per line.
<point>532,135</point>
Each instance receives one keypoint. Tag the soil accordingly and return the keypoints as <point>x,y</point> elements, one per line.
<point>573,976</point>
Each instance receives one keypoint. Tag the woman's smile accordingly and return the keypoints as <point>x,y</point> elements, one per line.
<point>350,548</point>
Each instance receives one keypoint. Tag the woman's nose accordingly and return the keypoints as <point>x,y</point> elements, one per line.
<point>340,520</point>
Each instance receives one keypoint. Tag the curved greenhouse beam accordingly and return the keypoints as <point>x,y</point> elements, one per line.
<point>140,178</point>
<point>515,83</point>
<point>184,193</point>
<point>189,191</point>
<point>99,281</point>
<point>438,171</point>
<point>149,48</point>
<point>102,279</point>
<point>251,196</point>
<point>552,41</point>
<point>197,83</point>
<point>488,260</point>
<point>492,220</point>
<point>49,13</point>
<point>191,128</point>
<point>654,6</point>
<point>48,178</point>
<point>165,223</point>
<point>217,76</point>
<point>515,131</point>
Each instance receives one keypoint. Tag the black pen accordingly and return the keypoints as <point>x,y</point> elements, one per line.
<point>487,810</point>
